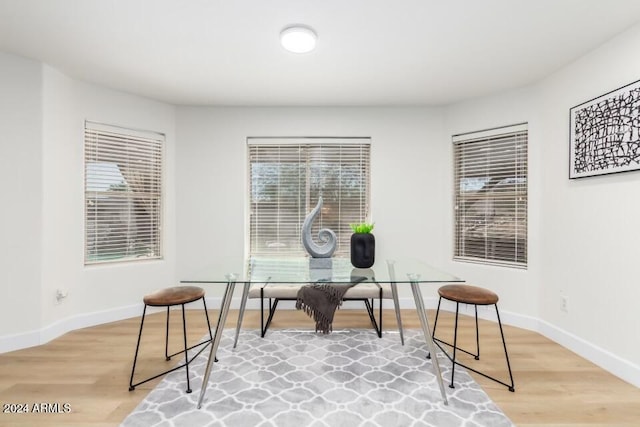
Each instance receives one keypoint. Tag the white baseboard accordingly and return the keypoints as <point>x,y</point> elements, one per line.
<point>608,361</point>
<point>612,363</point>
<point>61,327</point>
<point>19,341</point>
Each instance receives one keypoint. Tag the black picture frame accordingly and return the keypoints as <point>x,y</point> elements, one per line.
<point>604,134</point>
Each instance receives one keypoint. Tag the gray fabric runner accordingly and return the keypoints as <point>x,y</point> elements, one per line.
<point>320,301</point>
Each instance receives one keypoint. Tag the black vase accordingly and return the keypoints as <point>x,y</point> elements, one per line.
<point>363,250</point>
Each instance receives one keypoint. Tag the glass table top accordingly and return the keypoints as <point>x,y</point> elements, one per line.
<point>309,270</point>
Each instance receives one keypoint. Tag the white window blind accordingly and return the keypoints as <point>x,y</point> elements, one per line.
<point>123,194</point>
<point>490,173</point>
<point>286,178</point>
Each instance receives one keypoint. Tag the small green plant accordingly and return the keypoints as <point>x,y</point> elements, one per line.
<point>362,228</point>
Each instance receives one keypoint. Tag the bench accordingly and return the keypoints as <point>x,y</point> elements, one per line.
<point>366,292</point>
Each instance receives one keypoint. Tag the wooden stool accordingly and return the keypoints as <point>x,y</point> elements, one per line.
<point>169,297</point>
<point>475,296</point>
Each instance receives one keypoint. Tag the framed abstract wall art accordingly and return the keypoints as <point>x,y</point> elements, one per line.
<point>605,133</point>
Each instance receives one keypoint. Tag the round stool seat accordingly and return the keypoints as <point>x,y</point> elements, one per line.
<point>174,296</point>
<point>468,294</point>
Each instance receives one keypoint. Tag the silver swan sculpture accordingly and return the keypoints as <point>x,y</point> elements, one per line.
<point>328,237</point>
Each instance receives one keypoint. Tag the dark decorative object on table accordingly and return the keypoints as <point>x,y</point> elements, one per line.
<point>363,245</point>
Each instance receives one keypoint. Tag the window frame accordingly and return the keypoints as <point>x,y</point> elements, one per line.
<point>146,170</point>
<point>499,228</point>
<point>364,213</point>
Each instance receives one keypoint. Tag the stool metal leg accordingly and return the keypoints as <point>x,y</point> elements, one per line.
<point>477,355</point>
<point>262,311</point>
<point>435,325</point>
<point>206,313</point>
<point>166,341</point>
<point>455,346</point>
<point>135,357</point>
<point>204,302</point>
<point>435,322</point>
<point>186,356</point>
<point>380,312</point>
<point>504,344</point>
<point>203,343</point>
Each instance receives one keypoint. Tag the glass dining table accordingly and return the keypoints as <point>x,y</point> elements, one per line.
<point>303,270</point>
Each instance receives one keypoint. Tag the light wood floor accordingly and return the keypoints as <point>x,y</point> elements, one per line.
<point>89,370</point>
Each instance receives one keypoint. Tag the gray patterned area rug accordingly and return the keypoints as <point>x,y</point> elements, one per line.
<point>300,378</point>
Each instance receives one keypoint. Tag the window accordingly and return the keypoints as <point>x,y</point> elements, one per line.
<point>123,194</point>
<point>286,178</point>
<point>490,173</point>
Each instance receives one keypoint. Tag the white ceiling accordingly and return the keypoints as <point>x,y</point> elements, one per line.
<point>370,52</point>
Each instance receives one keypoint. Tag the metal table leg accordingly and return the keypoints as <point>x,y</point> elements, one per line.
<point>243,304</point>
<point>224,311</point>
<point>396,305</point>
<point>424,322</point>
<point>394,294</point>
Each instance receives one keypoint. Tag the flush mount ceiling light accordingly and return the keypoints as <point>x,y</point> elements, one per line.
<point>298,39</point>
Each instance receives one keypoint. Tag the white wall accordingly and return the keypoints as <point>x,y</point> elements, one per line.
<point>115,289</point>
<point>590,233</point>
<point>406,160</point>
<point>582,233</point>
<point>42,123</point>
<point>21,206</point>
<point>518,289</point>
